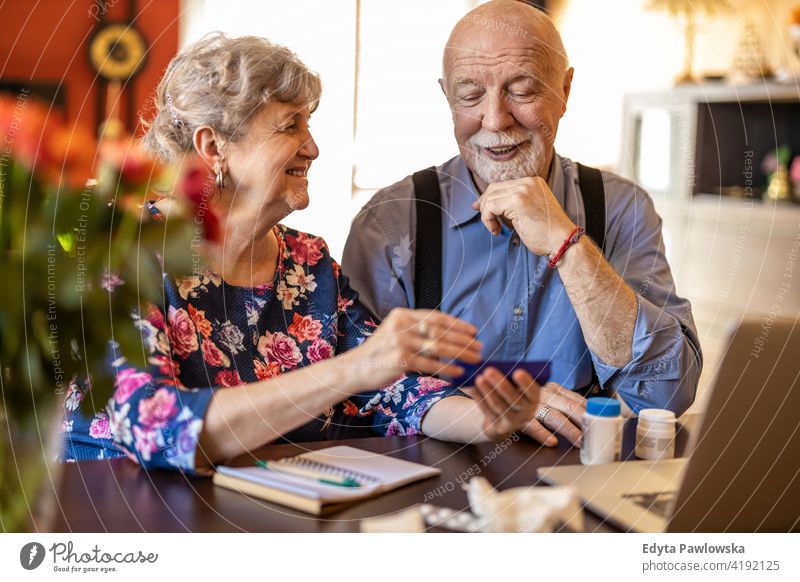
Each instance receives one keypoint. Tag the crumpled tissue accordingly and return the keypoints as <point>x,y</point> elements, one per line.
<point>524,509</point>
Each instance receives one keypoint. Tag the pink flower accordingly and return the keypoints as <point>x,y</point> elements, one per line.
<point>395,429</point>
<point>428,384</point>
<point>794,171</point>
<point>167,367</point>
<point>213,355</point>
<point>145,442</point>
<point>182,333</point>
<point>156,411</point>
<point>319,350</point>
<point>228,378</point>
<point>305,248</point>
<point>305,327</point>
<point>279,347</point>
<point>129,380</point>
<point>99,429</point>
<point>111,281</point>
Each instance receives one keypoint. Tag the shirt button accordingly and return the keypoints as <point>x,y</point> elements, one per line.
<point>518,310</point>
<point>515,240</point>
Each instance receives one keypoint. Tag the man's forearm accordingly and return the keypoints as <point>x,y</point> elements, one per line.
<point>604,303</point>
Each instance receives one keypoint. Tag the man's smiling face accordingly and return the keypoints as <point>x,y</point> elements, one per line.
<point>507,99</point>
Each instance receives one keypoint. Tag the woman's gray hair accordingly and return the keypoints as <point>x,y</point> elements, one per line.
<point>221,82</point>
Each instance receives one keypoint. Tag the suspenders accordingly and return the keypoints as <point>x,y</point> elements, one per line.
<point>428,236</point>
<point>428,241</point>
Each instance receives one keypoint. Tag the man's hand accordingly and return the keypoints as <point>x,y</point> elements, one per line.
<point>529,207</point>
<point>564,418</point>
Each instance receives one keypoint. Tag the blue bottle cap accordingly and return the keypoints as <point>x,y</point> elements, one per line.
<point>602,407</point>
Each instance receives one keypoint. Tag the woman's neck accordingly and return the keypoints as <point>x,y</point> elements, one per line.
<point>242,260</point>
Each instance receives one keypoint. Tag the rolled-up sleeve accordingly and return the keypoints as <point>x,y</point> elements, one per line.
<point>666,358</point>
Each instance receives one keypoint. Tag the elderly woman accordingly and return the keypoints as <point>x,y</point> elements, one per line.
<point>269,343</point>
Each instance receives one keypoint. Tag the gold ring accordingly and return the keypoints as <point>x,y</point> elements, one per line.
<point>426,348</point>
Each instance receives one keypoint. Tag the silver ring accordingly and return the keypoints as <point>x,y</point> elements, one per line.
<point>426,350</point>
<point>543,411</point>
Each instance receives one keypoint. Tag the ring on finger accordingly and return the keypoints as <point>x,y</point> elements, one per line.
<point>422,328</point>
<point>515,408</point>
<point>543,412</point>
<point>427,348</point>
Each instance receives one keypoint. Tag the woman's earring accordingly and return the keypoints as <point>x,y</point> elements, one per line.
<point>221,179</point>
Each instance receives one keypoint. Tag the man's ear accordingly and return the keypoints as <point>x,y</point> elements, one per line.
<point>441,86</point>
<point>206,144</point>
<point>567,88</point>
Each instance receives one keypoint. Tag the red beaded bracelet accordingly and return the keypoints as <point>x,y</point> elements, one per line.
<point>571,240</point>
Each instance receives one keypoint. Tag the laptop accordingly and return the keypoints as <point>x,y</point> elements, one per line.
<point>743,474</point>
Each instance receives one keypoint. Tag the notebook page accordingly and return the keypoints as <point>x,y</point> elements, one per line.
<point>386,471</point>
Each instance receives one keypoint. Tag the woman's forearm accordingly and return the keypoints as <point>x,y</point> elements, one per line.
<point>244,418</point>
<point>457,419</point>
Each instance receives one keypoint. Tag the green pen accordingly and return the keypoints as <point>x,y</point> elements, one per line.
<point>319,477</point>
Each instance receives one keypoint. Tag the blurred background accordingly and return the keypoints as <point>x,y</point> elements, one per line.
<point>696,100</point>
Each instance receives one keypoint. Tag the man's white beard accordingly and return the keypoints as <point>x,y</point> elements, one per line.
<point>528,162</point>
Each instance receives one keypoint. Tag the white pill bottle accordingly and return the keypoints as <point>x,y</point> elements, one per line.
<point>602,432</point>
<point>655,434</point>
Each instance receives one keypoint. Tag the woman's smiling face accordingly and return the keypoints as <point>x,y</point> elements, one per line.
<point>268,164</point>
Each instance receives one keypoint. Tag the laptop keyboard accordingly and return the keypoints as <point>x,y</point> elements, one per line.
<point>658,503</point>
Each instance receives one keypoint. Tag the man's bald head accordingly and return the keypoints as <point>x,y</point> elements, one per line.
<point>510,23</point>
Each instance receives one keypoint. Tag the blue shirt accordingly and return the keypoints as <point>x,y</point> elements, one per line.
<point>519,304</point>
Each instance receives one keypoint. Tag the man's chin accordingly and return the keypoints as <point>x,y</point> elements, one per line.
<point>490,175</point>
<point>491,171</point>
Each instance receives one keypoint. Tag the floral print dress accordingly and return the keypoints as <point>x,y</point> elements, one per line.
<point>211,335</point>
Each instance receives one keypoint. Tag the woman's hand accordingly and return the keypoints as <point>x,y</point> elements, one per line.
<point>414,340</point>
<point>506,406</point>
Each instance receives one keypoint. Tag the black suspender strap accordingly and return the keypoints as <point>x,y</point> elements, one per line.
<point>594,208</point>
<point>594,203</point>
<point>428,240</point>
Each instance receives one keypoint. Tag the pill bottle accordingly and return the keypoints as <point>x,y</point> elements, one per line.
<point>602,432</point>
<point>655,434</point>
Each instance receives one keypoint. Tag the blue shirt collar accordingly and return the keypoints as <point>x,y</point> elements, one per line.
<point>462,191</point>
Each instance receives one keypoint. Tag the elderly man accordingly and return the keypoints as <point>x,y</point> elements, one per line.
<point>496,236</point>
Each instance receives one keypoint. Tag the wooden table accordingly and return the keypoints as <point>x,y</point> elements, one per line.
<point>117,496</point>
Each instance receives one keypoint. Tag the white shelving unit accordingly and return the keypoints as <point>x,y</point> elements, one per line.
<point>732,257</point>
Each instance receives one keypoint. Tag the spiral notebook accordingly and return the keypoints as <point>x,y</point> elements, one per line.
<point>374,473</point>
